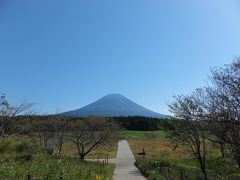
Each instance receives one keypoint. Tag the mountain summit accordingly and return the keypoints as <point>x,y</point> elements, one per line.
<point>114,105</point>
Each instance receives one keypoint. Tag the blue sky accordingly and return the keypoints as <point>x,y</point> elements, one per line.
<point>68,53</point>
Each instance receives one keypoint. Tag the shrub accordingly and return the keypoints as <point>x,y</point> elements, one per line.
<point>48,167</point>
<point>7,146</point>
<point>18,146</point>
<point>217,168</point>
<point>23,157</point>
<point>166,169</point>
<point>26,146</point>
<point>221,166</point>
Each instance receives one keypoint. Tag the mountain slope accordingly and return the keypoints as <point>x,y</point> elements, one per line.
<point>114,105</point>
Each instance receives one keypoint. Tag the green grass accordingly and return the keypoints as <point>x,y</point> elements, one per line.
<point>46,166</point>
<point>168,169</point>
<point>186,169</point>
<point>20,157</point>
<point>164,161</point>
<point>145,134</point>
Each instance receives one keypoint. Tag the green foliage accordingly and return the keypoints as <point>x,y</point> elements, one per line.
<point>139,123</point>
<point>18,145</point>
<point>26,146</point>
<point>46,166</point>
<point>166,169</point>
<point>21,157</point>
<point>146,134</point>
<point>187,169</point>
<point>7,146</point>
<point>221,167</point>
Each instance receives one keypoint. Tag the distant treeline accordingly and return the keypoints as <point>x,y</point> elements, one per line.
<point>140,123</point>
<point>133,123</point>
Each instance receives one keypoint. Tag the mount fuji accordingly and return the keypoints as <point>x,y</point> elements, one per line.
<point>113,105</point>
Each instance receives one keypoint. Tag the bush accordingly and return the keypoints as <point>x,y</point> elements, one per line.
<point>166,169</point>
<point>7,146</point>
<point>26,146</point>
<point>48,167</point>
<point>221,166</point>
<point>23,157</point>
<point>18,146</point>
<point>217,168</point>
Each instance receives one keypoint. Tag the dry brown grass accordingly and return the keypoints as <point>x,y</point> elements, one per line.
<point>102,151</point>
<point>154,147</point>
<point>157,147</point>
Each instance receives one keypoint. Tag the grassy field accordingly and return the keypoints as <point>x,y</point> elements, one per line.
<point>157,148</point>
<point>134,137</point>
<point>164,161</point>
<point>21,158</point>
<point>156,145</point>
<point>145,134</point>
<point>103,151</point>
<point>44,166</point>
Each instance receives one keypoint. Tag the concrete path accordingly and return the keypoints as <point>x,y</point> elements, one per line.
<point>124,164</point>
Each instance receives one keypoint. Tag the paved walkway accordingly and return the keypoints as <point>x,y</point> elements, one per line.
<point>124,164</point>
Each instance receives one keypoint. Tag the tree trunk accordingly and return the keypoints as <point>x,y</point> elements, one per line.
<point>204,158</point>
<point>40,140</point>
<point>81,158</point>
<point>59,146</point>
<point>222,150</point>
<point>237,158</point>
<point>201,157</point>
<point>203,167</point>
<point>205,175</point>
<point>236,153</point>
<point>81,153</point>
<point>45,143</point>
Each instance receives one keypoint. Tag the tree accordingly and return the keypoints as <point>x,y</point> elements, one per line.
<point>224,110</point>
<point>60,126</point>
<point>8,111</point>
<point>191,132</point>
<point>212,113</point>
<point>216,128</point>
<point>91,132</point>
<point>43,127</point>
